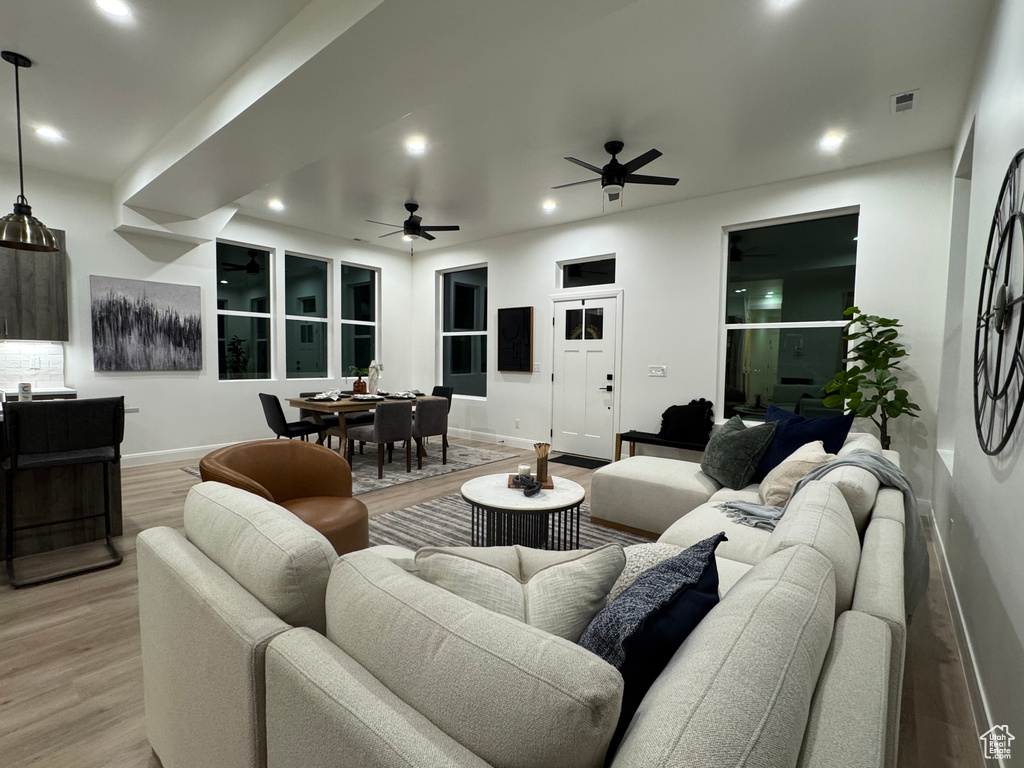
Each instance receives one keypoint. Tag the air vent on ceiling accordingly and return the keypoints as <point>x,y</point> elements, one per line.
<point>903,102</point>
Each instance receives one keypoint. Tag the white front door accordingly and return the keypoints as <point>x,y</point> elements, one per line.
<point>583,389</point>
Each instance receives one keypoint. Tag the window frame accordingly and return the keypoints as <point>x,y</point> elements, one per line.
<point>268,316</point>
<point>341,322</point>
<point>326,320</point>
<point>442,333</point>
<point>725,326</point>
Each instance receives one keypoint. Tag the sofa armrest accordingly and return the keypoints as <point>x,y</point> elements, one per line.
<point>203,643</point>
<point>325,710</point>
<point>848,722</point>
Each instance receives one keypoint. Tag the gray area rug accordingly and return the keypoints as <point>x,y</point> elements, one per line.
<point>446,522</point>
<point>364,466</point>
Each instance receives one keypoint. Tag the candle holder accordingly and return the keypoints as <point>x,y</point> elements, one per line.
<point>542,460</point>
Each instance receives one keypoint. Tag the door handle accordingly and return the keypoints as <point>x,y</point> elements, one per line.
<point>605,389</point>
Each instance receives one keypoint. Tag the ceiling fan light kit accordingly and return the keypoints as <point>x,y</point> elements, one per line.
<point>21,230</point>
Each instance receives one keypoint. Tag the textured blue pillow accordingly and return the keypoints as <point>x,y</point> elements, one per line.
<point>792,431</point>
<point>641,629</point>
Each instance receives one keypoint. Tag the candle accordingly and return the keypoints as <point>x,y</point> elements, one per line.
<point>524,469</point>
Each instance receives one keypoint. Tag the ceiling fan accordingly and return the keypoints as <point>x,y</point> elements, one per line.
<point>413,227</point>
<point>251,268</point>
<point>614,175</point>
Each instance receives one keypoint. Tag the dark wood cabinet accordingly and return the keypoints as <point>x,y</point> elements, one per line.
<point>34,294</point>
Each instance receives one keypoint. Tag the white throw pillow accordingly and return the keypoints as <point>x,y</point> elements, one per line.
<point>559,592</point>
<point>640,557</point>
<point>778,484</point>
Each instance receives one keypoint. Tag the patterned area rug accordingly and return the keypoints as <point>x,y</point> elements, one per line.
<point>364,466</point>
<point>446,522</point>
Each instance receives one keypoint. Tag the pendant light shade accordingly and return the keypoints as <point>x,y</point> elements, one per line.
<point>21,230</point>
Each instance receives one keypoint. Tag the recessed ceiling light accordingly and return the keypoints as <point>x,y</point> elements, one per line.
<point>223,282</point>
<point>781,5</point>
<point>770,293</point>
<point>416,145</point>
<point>114,8</point>
<point>276,204</point>
<point>51,134</point>
<point>741,290</point>
<point>831,141</point>
<point>549,205</point>
<point>855,239</point>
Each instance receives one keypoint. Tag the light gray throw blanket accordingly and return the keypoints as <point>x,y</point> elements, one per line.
<point>915,549</point>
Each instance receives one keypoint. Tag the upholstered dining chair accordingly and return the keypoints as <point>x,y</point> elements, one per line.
<point>431,419</point>
<point>445,392</point>
<point>312,482</point>
<point>392,423</point>
<point>280,426</point>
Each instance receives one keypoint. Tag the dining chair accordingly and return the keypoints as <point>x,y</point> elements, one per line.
<point>446,392</point>
<point>280,426</point>
<point>392,423</point>
<point>431,419</point>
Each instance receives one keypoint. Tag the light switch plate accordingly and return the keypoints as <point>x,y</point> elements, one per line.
<point>536,367</point>
<point>657,370</point>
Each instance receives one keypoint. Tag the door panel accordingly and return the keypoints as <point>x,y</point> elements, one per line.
<point>582,407</point>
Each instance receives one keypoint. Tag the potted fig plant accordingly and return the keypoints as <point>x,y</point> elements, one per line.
<point>870,387</point>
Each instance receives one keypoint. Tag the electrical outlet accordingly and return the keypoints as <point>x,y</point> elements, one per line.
<point>536,367</point>
<point>657,370</point>
<point>517,423</point>
<point>33,363</point>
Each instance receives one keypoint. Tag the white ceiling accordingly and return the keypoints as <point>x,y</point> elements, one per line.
<point>735,93</point>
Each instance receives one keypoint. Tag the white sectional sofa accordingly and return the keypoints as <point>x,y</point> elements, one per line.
<point>251,660</point>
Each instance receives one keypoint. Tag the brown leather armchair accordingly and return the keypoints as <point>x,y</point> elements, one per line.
<point>312,482</point>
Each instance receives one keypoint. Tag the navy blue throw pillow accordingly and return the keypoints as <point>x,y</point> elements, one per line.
<point>641,629</point>
<point>792,431</point>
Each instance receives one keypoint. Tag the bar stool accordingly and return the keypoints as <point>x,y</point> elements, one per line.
<point>61,433</point>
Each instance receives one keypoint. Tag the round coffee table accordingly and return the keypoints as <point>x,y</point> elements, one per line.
<point>504,516</point>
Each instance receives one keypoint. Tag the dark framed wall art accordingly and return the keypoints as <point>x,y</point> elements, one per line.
<point>515,339</point>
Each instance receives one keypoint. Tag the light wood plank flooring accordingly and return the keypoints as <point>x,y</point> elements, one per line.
<point>71,671</point>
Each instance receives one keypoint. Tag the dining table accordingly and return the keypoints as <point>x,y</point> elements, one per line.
<point>341,406</point>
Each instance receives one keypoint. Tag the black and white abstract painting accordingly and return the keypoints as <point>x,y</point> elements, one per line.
<point>138,325</point>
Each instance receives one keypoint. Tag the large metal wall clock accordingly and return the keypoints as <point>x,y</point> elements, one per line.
<point>999,336</point>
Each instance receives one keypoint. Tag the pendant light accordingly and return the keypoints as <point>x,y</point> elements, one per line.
<point>21,230</point>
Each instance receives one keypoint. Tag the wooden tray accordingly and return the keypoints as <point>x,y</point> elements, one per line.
<point>547,485</point>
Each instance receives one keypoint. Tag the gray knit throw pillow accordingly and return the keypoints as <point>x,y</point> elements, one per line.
<point>734,452</point>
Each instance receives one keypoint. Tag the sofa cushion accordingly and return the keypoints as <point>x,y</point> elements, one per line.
<point>859,487</point>
<point>743,542</point>
<point>642,628</point>
<point>279,559</point>
<point>792,431</point>
<point>734,450</point>
<point>512,694</point>
<point>778,484</point>
<point>559,592</point>
<point>818,517</point>
<point>729,573</point>
<point>648,492</point>
<point>690,423</point>
<point>751,493</point>
<point>738,691</point>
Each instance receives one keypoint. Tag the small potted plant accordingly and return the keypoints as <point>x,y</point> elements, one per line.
<point>869,388</point>
<point>358,386</point>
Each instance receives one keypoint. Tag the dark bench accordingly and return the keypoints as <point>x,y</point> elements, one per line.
<point>649,438</point>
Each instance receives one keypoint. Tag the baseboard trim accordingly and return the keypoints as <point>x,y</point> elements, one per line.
<point>174,454</point>
<point>490,437</point>
<point>975,688</point>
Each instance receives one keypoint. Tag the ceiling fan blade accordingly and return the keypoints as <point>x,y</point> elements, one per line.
<point>581,164</point>
<point>389,234</point>
<point>233,267</point>
<point>636,178</point>
<point>441,228</point>
<point>639,162</point>
<point>427,235</point>
<point>575,183</point>
<point>383,223</point>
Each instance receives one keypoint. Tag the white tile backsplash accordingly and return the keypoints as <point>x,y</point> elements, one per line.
<point>41,363</point>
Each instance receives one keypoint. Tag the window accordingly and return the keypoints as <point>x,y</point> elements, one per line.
<point>464,331</point>
<point>358,317</point>
<point>243,312</point>
<point>579,274</point>
<point>787,288</point>
<point>305,297</point>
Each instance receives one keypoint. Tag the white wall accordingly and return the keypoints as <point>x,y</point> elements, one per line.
<point>182,413</point>
<point>669,266</point>
<point>979,517</point>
